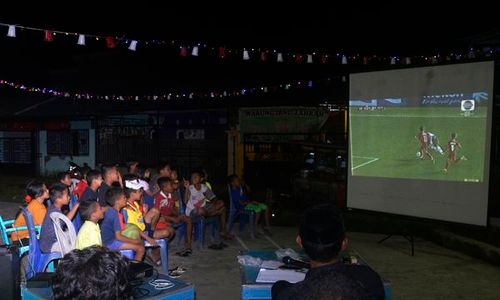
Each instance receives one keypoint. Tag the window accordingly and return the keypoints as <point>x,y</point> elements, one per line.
<point>73,142</point>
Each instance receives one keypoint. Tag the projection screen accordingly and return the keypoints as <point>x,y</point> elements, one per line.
<point>419,141</point>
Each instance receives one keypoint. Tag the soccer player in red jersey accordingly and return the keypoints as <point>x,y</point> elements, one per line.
<point>452,149</point>
<point>424,140</point>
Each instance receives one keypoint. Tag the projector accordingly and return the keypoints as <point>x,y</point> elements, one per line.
<point>138,270</point>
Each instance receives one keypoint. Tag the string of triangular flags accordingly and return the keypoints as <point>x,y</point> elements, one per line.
<point>251,53</point>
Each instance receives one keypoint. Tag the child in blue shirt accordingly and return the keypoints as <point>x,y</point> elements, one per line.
<point>59,197</point>
<point>240,200</point>
<point>113,224</point>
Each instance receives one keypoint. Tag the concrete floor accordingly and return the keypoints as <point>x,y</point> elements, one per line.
<point>433,273</point>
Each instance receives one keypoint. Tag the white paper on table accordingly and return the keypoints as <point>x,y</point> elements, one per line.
<point>271,276</point>
<point>271,264</point>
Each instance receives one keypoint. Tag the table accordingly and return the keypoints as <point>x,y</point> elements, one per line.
<point>141,290</point>
<point>251,290</point>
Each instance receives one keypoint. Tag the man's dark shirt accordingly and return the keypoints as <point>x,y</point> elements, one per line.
<point>321,282</point>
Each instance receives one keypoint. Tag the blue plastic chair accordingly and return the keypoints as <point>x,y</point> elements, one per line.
<point>7,227</point>
<point>234,212</point>
<point>130,254</point>
<point>77,221</point>
<point>162,243</point>
<point>38,262</point>
<point>199,225</point>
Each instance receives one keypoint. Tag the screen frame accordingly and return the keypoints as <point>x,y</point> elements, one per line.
<point>412,218</point>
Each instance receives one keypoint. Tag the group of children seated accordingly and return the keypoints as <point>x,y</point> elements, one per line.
<point>125,213</point>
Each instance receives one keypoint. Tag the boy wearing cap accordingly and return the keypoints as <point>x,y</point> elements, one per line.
<point>134,212</point>
<point>113,225</point>
<point>322,236</point>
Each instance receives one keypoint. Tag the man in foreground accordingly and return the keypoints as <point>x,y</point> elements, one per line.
<point>322,236</point>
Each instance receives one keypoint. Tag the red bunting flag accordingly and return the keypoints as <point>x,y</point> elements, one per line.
<point>48,36</point>
<point>110,42</point>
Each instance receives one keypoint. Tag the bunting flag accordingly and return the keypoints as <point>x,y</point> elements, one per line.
<point>256,54</point>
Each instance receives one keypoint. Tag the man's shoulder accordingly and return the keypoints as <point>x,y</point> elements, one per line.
<point>366,277</point>
<point>360,270</point>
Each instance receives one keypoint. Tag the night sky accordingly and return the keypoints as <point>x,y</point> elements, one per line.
<point>390,28</point>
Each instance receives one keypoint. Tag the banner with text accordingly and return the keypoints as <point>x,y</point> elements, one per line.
<point>282,120</point>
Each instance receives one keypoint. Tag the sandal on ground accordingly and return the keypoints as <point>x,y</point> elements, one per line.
<point>179,270</point>
<point>174,273</point>
<point>223,245</point>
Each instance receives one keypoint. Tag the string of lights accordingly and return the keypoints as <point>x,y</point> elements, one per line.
<point>169,95</point>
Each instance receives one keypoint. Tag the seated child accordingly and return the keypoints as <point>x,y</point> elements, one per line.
<point>65,179</point>
<point>201,201</point>
<point>113,224</point>
<point>90,233</point>
<point>134,212</point>
<point>80,177</point>
<point>174,178</point>
<point>94,181</point>
<point>36,193</point>
<point>59,196</point>
<point>241,200</point>
<point>165,203</point>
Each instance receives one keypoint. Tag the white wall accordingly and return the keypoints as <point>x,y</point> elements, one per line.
<point>52,164</point>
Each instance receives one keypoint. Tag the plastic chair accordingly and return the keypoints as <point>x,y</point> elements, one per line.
<point>234,212</point>
<point>199,225</point>
<point>37,261</point>
<point>7,227</point>
<point>162,243</point>
<point>130,254</point>
<point>65,238</point>
<point>77,221</point>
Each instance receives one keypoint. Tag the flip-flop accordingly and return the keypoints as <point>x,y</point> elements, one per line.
<point>174,274</point>
<point>179,270</point>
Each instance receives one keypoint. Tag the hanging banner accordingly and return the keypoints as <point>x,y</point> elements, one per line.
<point>282,120</point>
